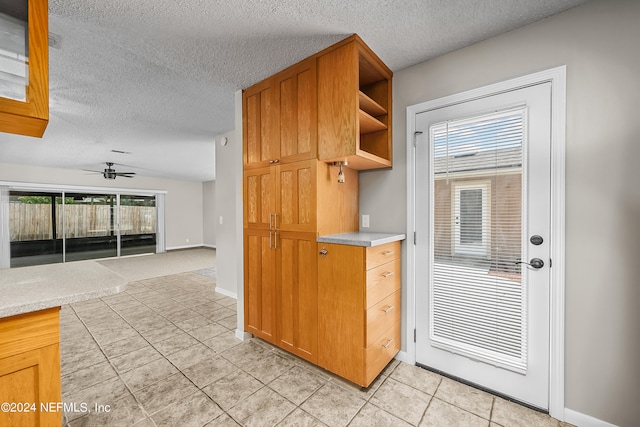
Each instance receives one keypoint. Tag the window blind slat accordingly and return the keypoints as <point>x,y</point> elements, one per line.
<point>477,304</point>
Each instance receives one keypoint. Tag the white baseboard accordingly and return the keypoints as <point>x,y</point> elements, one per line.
<point>242,335</point>
<point>404,357</point>
<point>173,248</point>
<point>206,245</point>
<point>583,420</point>
<point>227,293</point>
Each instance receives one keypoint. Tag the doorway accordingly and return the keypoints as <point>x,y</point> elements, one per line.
<point>418,268</point>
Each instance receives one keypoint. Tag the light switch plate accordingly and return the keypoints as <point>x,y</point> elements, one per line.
<point>365,221</point>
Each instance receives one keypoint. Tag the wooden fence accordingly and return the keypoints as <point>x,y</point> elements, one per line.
<point>33,221</point>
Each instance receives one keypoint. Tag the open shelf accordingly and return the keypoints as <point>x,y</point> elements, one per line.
<point>370,106</point>
<point>369,124</point>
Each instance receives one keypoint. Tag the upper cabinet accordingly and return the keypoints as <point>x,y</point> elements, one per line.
<point>354,106</point>
<point>281,117</point>
<point>24,67</point>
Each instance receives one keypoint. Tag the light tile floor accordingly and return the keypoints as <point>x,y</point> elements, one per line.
<point>164,353</point>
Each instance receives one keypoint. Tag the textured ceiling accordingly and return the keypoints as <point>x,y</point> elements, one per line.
<point>156,78</point>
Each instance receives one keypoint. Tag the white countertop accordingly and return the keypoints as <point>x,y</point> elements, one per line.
<point>361,238</point>
<point>27,289</point>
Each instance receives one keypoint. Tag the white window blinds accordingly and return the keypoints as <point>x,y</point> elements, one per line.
<point>477,294</point>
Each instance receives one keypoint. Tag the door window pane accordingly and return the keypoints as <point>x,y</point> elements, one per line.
<point>33,228</point>
<point>477,299</point>
<point>89,224</point>
<point>137,224</point>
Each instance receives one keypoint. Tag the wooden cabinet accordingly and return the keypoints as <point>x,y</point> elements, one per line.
<point>286,206</point>
<point>260,284</point>
<point>333,106</point>
<point>30,367</point>
<point>354,106</point>
<point>281,197</point>
<point>31,117</point>
<point>297,294</point>
<point>359,304</point>
<point>280,117</point>
<point>258,124</point>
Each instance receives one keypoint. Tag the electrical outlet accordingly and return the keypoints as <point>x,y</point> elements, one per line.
<point>365,221</point>
<point>187,240</point>
<point>220,219</point>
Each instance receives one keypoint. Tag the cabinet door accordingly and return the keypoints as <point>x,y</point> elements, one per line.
<point>296,196</point>
<point>259,187</point>
<point>297,300</point>
<point>260,284</point>
<point>297,104</point>
<point>341,333</point>
<point>259,116</point>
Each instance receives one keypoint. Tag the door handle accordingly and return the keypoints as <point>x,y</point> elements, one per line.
<point>536,263</point>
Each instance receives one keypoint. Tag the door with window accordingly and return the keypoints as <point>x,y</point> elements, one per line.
<point>482,252</point>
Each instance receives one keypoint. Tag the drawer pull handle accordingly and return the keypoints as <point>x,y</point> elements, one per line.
<point>388,309</point>
<point>385,253</point>
<point>388,343</point>
<point>387,274</point>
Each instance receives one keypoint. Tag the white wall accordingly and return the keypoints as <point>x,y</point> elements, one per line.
<point>599,44</point>
<point>209,215</point>
<point>229,256</point>
<point>183,214</point>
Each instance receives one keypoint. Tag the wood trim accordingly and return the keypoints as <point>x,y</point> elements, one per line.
<point>31,117</point>
<point>29,331</point>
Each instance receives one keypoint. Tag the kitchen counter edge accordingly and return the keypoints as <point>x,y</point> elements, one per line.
<point>361,238</point>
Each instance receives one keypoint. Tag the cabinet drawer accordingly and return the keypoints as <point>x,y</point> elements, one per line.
<point>381,316</point>
<point>377,255</point>
<point>382,281</point>
<point>378,355</point>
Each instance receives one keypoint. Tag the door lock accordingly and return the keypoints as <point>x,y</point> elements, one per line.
<point>535,263</point>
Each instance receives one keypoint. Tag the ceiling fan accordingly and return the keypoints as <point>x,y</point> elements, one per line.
<point>110,173</point>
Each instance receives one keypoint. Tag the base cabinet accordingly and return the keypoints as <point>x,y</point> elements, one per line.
<point>30,368</point>
<point>281,289</point>
<point>359,304</point>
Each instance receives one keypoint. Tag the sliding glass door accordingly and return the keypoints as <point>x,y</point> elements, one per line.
<point>90,226</point>
<point>50,227</point>
<point>35,228</point>
<point>138,221</point>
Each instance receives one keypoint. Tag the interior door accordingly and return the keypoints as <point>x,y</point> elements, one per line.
<point>482,248</point>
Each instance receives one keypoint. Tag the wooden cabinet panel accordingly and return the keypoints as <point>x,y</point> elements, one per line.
<point>380,316</point>
<point>353,341</point>
<point>382,281</point>
<point>297,298</point>
<point>259,197</point>
<point>30,366</point>
<point>297,97</point>
<point>259,117</point>
<point>260,284</point>
<point>337,103</point>
<point>341,330</point>
<point>296,202</point>
<point>378,355</point>
<point>377,255</point>
<point>31,377</point>
<point>30,118</point>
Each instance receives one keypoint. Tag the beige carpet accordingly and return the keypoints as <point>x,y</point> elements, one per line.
<point>156,265</point>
